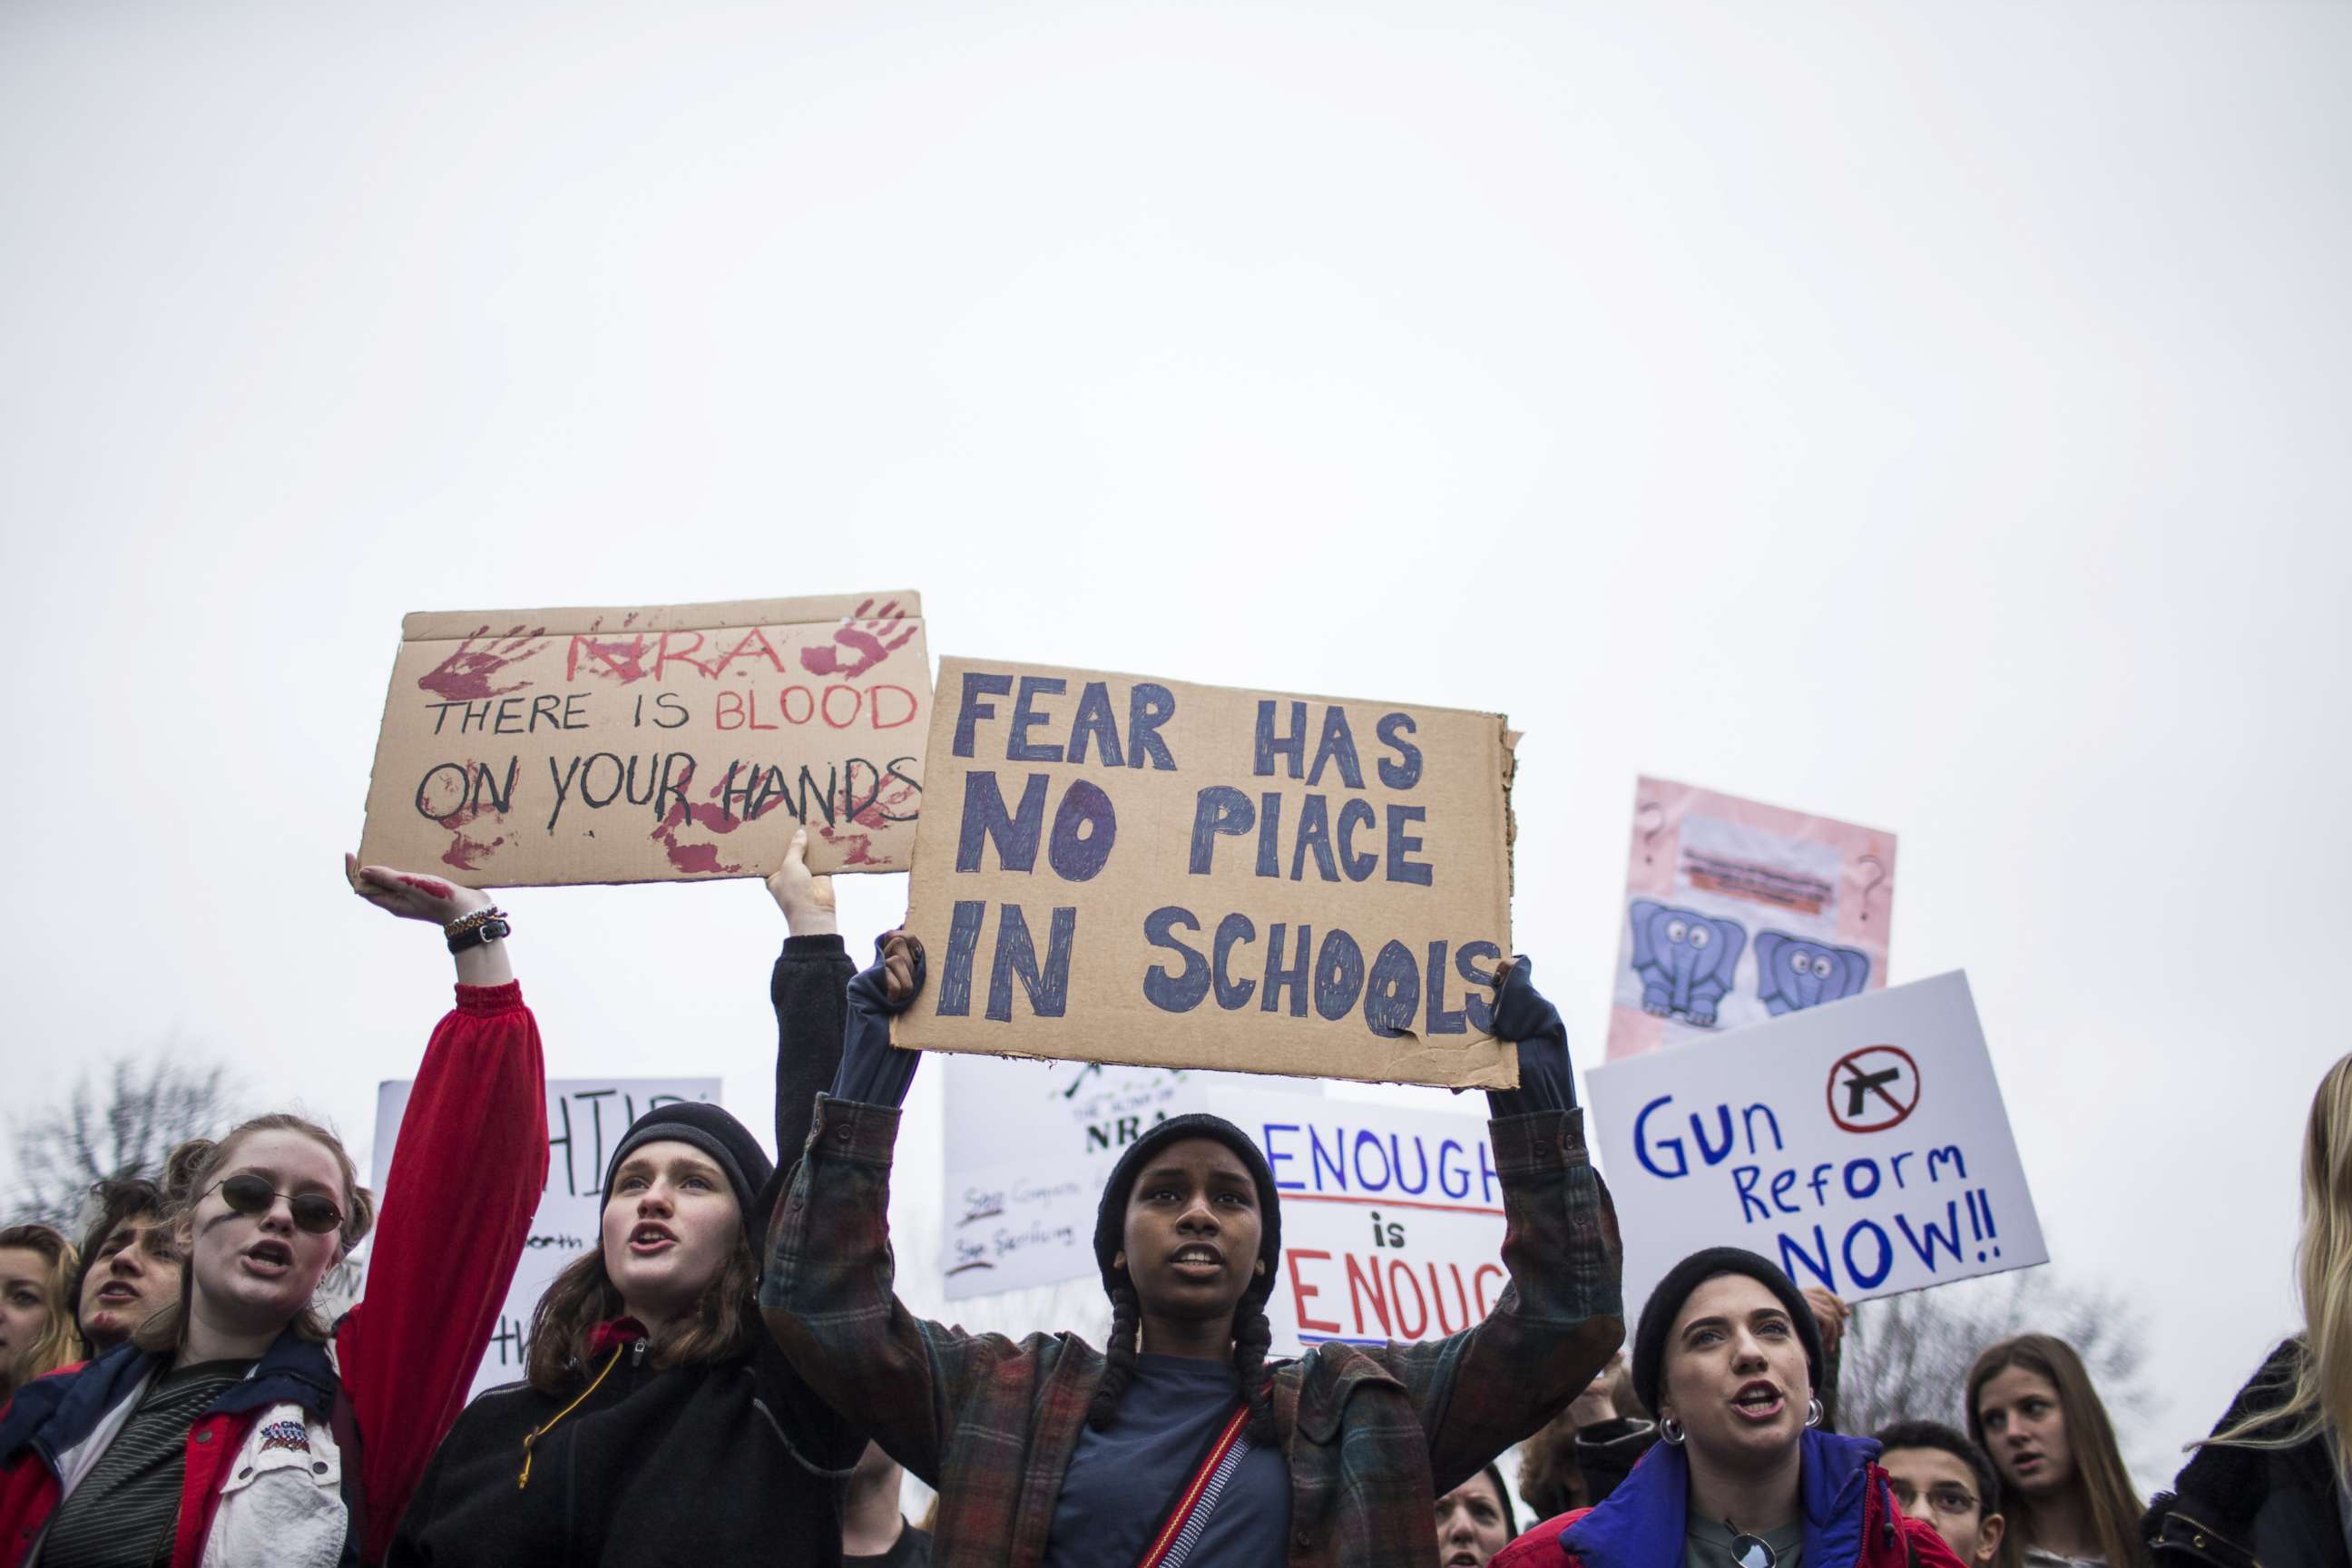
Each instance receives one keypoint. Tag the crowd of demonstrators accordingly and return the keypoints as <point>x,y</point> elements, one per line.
<point>37,1325</point>
<point>702,1386</point>
<point>658,1422</point>
<point>1178,1438</point>
<point>233,1426</point>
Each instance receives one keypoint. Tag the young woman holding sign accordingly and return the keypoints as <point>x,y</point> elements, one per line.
<point>236,1426</point>
<point>1179,1440</point>
<point>1742,1475</point>
<point>658,1422</point>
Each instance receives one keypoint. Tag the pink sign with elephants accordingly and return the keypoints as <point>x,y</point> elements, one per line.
<point>1736,912</point>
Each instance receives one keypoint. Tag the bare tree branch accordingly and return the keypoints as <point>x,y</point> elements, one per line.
<point>124,1115</point>
<point>1907,1357</point>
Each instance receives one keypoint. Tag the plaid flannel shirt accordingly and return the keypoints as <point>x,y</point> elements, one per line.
<point>1371,1434</point>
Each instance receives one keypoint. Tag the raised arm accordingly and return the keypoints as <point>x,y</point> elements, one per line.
<point>828,1292</point>
<point>456,1210</point>
<point>1562,1316</point>
<point>809,988</point>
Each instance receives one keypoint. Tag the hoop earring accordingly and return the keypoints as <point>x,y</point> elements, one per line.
<point>1813,1412</point>
<point>1671,1431</point>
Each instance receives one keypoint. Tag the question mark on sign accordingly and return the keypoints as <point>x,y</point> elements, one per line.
<point>1877,880</point>
<point>1649,821</point>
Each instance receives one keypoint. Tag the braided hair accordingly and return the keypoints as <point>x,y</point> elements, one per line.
<point>1251,1336</point>
<point>1119,1356</point>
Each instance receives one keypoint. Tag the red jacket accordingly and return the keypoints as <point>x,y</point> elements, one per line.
<point>1850,1520</point>
<point>320,1440</point>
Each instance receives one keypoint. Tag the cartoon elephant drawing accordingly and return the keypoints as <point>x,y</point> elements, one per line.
<point>1684,960</point>
<point>1792,972</point>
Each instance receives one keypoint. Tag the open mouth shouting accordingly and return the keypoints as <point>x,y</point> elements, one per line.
<point>2026,1464</point>
<point>1464,1558</point>
<point>651,1238</point>
<point>1758,1401</point>
<point>268,1257</point>
<point>1197,1260</point>
<point>118,1293</point>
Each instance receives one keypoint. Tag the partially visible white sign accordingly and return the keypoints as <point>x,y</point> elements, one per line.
<point>1029,1146</point>
<point>1392,1218</point>
<point>586,1117</point>
<point>1861,1145</point>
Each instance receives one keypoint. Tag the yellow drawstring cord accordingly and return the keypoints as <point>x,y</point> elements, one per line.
<point>523,1479</point>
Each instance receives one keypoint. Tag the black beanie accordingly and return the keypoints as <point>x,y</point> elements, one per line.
<point>1111,1219</point>
<point>726,1141</point>
<point>1667,1300</point>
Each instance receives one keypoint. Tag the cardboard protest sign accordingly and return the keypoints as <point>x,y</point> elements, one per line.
<point>1735,912</point>
<point>1392,1218</point>
<point>532,747</point>
<point>586,1117</point>
<point>1862,1147</point>
<point>1141,871</point>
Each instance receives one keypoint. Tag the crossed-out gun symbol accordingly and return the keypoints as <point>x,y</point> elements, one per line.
<point>1859,1083</point>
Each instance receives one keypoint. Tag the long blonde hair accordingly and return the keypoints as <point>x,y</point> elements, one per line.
<point>191,1172</point>
<point>2321,1397</point>
<point>60,1341</point>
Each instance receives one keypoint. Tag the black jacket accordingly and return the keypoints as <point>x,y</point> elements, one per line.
<point>2239,1507</point>
<point>701,1466</point>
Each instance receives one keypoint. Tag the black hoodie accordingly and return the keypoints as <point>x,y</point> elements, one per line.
<point>718,1463</point>
<point>2239,1506</point>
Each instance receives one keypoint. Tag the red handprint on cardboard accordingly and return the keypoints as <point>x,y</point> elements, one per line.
<point>465,675</point>
<point>862,639</point>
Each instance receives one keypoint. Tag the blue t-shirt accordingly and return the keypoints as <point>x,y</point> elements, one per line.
<point>1122,1482</point>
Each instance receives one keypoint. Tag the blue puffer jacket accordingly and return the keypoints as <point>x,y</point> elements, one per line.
<point>1850,1520</point>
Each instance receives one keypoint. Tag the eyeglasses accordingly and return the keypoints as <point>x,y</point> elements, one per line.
<point>247,1193</point>
<point>1943,1500</point>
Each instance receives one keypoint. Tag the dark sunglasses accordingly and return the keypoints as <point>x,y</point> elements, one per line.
<point>247,1193</point>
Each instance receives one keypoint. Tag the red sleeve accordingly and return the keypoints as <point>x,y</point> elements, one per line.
<point>1928,1550</point>
<point>467,1173</point>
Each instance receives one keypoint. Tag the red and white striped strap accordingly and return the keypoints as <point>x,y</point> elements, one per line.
<point>1174,1543</point>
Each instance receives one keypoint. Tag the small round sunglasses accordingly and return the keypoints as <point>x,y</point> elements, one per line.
<point>247,1193</point>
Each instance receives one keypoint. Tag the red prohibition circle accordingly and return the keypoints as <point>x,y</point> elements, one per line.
<point>1856,1086</point>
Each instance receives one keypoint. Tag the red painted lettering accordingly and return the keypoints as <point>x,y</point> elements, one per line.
<point>754,645</point>
<point>1360,1282</point>
<point>663,657</point>
<point>856,700</point>
<point>1479,1281</point>
<point>876,699</point>
<point>1301,1292</point>
<point>1400,1275</point>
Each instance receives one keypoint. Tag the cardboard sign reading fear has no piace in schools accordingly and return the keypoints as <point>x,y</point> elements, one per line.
<point>529,747</point>
<point>1121,869</point>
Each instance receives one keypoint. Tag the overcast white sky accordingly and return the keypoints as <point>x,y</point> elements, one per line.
<point>1931,416</point>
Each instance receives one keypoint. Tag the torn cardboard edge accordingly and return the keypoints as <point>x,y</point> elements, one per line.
<point>442,625</point>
